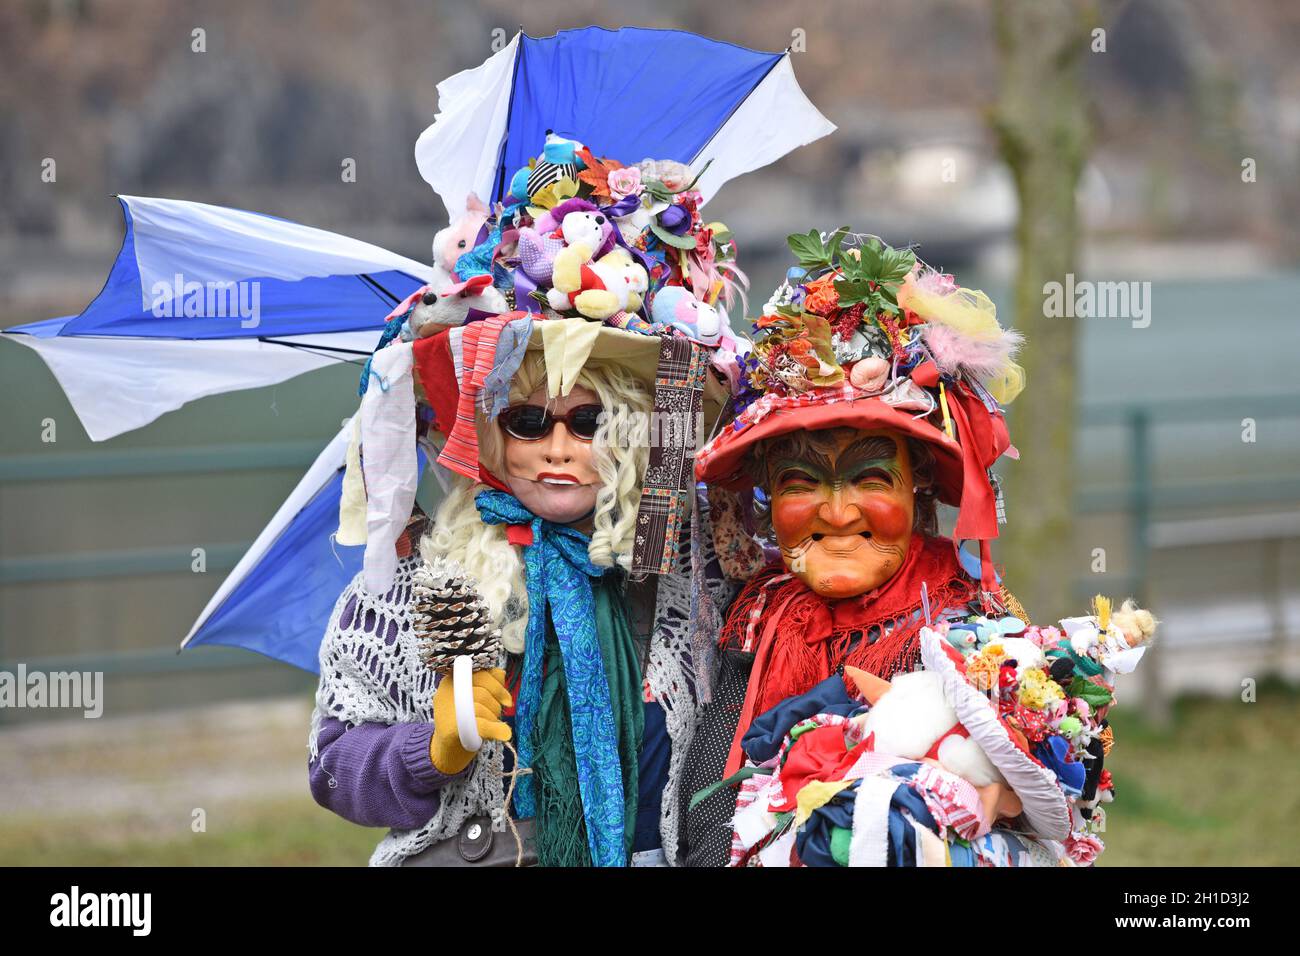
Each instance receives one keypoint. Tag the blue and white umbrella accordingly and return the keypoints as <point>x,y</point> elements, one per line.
<point>204,300</point>
<point>633,93</point>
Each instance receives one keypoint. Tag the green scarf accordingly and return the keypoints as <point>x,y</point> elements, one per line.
<point>561,833</point>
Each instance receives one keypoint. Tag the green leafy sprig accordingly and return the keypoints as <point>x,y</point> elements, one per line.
<point>872,277</point>
<point>812,252</point>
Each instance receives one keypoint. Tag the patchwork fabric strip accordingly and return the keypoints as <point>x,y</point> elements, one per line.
<point>479,344</point>
<point>669,477</point>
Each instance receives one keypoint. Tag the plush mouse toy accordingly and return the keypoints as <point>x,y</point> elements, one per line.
<point>435,311</point>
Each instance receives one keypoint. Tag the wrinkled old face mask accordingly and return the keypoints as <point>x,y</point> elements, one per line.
<point>553,475</point>
<point>842,514</point>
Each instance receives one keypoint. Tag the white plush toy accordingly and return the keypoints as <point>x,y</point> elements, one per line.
<point>597,290</point>
<point>911,714</point>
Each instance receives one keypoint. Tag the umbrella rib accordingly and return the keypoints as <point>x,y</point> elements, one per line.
<point>369,280</point>
<point>306,347</point>
<point>700,152</point>
<point>510,111</point>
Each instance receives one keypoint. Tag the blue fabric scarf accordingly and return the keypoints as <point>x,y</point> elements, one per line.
<point>559,576</point>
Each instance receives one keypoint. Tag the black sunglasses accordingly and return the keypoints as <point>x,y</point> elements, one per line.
<point>534,422</point>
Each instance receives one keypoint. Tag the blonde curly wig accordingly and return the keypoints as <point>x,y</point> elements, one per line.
<point>619,456</point>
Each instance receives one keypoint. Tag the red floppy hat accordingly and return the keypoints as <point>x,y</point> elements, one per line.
<point>961,465</point>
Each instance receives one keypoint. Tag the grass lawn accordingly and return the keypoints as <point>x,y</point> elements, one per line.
<point>274,833</point>
<point>1221,788</point>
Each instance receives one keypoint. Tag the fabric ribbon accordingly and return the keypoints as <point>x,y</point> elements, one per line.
<point>479,344</point>
<point>669,484</point>
<point>512,346</point>
<point>559,577</point>
<point>983,437</point>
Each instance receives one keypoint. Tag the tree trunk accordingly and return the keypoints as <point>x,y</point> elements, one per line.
<point>1041,124</point>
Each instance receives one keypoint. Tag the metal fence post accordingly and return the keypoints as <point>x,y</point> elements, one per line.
<point>1155,700</point>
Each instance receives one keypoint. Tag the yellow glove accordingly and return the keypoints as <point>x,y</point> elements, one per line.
<point>490,695</point>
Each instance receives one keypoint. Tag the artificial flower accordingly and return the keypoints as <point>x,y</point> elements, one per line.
<point>625,182</point>
<point>597,172</point>
<point>1037,690</point>
<point>704,242</point>
<point>783,296</point>
<point>1083,848</point>
<point>821,297</point>
<point>548,197</point>
<point>676,219</point>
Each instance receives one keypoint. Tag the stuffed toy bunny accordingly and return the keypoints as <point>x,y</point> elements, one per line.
<point>450,243</point>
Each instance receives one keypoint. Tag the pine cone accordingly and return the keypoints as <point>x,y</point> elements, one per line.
<point>450,619</point>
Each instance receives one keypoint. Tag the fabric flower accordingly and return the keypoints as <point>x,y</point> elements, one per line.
<point>548,197</point>
<point>981,672</point>
<point>1037,690</point>
<point>783,295</point>
<point>676,220</point>
<point>1083,848</point>
<point>1032,723</point>
<point>821,296</point>
<point>625,182</point>
<point>1044,637</point>
<point>704,242</point>
<point>673,175</point>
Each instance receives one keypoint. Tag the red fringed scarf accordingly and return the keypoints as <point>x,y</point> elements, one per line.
<point>799,638</point>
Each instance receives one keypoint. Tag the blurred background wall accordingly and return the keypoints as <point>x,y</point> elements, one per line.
<point>96,540</point>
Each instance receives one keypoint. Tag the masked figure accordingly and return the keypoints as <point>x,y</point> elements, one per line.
<point>880,697</point>
<point>567,559</point>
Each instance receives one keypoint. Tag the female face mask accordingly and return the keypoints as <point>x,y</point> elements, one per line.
<point>842,513</point>
<point>553,475</point>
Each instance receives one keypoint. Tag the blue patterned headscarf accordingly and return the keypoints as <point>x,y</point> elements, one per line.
<point>559,577</point>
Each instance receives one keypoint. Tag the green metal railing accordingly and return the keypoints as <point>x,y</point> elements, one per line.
<point>1138,498</point>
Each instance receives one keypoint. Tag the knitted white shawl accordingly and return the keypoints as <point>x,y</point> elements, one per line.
<point>365,679</point>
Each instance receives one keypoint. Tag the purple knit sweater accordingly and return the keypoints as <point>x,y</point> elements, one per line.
<point>377,775</point>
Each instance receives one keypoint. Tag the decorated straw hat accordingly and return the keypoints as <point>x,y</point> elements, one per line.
<point>866,336</point>
<point>587,259</point>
